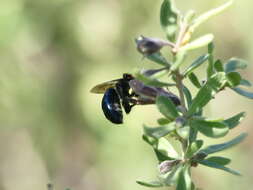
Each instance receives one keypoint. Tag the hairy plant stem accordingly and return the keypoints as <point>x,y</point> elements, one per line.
<point>179,84</point>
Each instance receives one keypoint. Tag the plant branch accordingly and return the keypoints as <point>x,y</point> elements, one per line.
<point>180,86</point>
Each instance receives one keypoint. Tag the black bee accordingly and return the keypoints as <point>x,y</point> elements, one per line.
<point>128,92</point>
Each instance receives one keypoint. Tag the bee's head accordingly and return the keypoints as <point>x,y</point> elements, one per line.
<point>128,77</point>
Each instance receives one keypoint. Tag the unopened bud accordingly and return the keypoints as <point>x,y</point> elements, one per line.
<point>167,165</point>
<point>200,156</point>
<point>148,46</point>
<point>180,121</point>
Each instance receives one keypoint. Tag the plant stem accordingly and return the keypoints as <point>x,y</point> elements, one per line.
<point>180,86</point>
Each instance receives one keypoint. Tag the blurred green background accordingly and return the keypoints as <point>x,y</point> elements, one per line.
<point>53,129</point>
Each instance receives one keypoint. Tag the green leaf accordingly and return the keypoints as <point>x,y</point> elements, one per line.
<point>245,82</point>
<point>163,121</point>
<point>214,129</point>
<point>206,16</point>
<point>184,180</point>
<point>243,92</point>
<point>160,156</point>
<point>202,98</point>
<point>233,78</point>
<point>218,66</point>
<point>164,147</point>
<point>166,107</point>
<point>235,120</point>
<point>217,81</point>
<point>234,64</point>
<point>218,166</point>
<point>193,148</point>
<point>155,73</point>
<point>219,160</point>
<point>219,147</point>
<point>150,184</point>
<point>194,80</point>
<point>188,96</point>
<point>150,81</point>
<point>198,43</point>
<point>172,177</point>
<point>168,18</point>
<point>189,16</point>
<point>158,132</point>
<point>151,141</point>
<point>199,61</point>
<point>184,132</point>
<point>205,94</point>
<point>193,135</point>
<point>210,49</point>
<point>210,68</point>
<point>158,58</point>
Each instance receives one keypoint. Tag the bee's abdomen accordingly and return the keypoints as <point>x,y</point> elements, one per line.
<point>111,106</point>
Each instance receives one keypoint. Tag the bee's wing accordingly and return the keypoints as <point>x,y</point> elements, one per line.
<point>101,88</point>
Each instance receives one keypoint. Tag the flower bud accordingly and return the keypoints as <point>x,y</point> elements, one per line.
<point>180,121</point>
<point>148,46</point>
<point>200,156</point>
<point>167,165</point>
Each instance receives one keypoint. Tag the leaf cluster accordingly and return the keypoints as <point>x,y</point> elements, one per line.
<point>184,122</point>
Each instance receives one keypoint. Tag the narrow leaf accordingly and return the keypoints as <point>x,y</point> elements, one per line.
<point>188,96</point>
<point>151,141</point>
<point>218,66</point>
<point>234,64</point>
<point>219,160</point>
<point>202,98</point>
<point>214,129</point>
<point>193,148</point>
<point>158,58</point>
<point>198,43</point>
<point>150,184</point>
<point>219,147</point>
<point>243,92</point>
<point>217,81</point>
<point>234,78</point>
<point>173,176</point>
<point>235,120</point>
<point>194,79</point>
<point>184,180</point>
<point>210,68</point>
<point>206,16</point>
<point>163,121</point>
<point>217,166</point>
<point>164,147</point>
<point>193,135</point>
<point>168,18</point>
<point>199,61</point>
<point>205,94</point>
<point>166,107</point>
<point>245,82</point>
<point>150,81</point>
<point>158,132</point>
<point>184,132</point>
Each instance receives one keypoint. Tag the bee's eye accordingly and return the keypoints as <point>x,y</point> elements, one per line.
<point>127,76</point>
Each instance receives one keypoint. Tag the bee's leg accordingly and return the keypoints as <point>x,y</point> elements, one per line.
<point>127,106</point>
<point>129,103</point>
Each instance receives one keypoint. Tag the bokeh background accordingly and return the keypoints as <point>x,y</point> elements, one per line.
<point>53,129</point>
